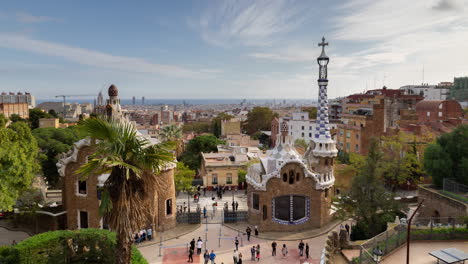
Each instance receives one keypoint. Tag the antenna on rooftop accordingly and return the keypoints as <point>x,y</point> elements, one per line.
<point>423,75</point>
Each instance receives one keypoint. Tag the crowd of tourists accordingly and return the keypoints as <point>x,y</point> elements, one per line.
<point>144,235</point>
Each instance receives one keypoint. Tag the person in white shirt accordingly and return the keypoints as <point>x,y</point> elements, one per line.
<point>199,246</point>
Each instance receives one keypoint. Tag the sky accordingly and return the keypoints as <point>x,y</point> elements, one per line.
<point>228,49</point>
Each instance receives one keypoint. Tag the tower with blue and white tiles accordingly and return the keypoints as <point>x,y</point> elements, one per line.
<point>322,144</point>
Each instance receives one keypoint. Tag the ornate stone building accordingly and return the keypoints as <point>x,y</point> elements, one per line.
<point>287,191</point>
<point>81,199</point>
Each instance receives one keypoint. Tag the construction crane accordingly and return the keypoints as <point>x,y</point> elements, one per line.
<point>64,96</point>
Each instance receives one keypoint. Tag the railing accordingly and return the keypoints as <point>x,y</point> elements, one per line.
<point>442,228</point>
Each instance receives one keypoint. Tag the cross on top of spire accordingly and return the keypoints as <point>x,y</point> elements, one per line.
<point>323,44</point>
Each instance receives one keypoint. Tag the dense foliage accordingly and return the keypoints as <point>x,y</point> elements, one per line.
<point>18,162</point>
<point>53,141</point>
<point>183,177</point>
<point>67,246</point>
<point>259,118</point>
<point>205,143</point>
<point>312,111</point>
<point>400,162</point>
<point>448,157</point>
<point>368,201</point>
<point>197,128</point>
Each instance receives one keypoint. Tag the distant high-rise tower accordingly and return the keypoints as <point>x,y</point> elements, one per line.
<point>133,100</point>
<point>143,100</point>
<point>100,99</point>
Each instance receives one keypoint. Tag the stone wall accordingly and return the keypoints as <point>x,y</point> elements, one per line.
<point>74,202</point>
<point>436,204</point>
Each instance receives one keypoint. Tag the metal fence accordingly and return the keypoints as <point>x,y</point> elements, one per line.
<point>442,228</point>
<point>188,218</point>
<point>455,190</point>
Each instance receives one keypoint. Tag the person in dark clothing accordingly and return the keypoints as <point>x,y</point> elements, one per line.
<point>273,248</point>
<point>204,191</point>
<point>256,230</point>
<point>307,250</point>
<point>237,205</point>
<point>248,231</point>
<point>347,228</point>
<point>206,256</point>
<point>233,206</point>
<point>301,248</point>
<point>192,244</point>
<point>190,256</point>
<point>237,244</point>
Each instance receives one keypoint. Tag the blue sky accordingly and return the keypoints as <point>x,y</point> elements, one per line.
<point>228,49</point>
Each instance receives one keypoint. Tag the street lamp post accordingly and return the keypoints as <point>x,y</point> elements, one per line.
<point>409,231</point>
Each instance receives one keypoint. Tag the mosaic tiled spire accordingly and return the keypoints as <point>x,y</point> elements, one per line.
<point>322,128</point>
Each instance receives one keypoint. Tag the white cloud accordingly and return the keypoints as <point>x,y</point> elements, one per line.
<point>96,58</point>
<point>28,18</point>
<point>249,23</point>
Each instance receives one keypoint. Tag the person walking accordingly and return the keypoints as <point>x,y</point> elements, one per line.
<point>239,261</point>
<point>204,211</point>
<point>307,250</point>
<point>212,257</point>
<point>258,252</point>
<point>206,256</point>
<point>235,256</point>
<point>237,243</point>
<point>237,205</point>
<point>256,231</point>
<point>199,246</point>
<point>273,248</point>
<point>192,244</point>
<point>284,250</point>
<point>301,248</point>
<point>347,228</point>
<point>190,256</point>
<point>253,251</point>
<point>248,231</point>
<point>233,206</point>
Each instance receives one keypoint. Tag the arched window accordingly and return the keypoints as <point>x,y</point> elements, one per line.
<point>285,177</point>
<point>298,176</point>
<point>265,211</point>
<point>291,177</point>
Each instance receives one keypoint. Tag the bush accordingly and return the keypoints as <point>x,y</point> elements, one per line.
<point>440,233</point>
<point>9,255</point>
<point>72,246</point>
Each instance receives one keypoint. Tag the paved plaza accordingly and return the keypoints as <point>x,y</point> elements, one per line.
<point>175,250</point>
<point>419,251</point>
<point>7,236</point>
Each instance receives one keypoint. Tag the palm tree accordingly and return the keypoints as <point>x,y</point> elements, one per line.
<point>133,164</point>
<point>172,133</point>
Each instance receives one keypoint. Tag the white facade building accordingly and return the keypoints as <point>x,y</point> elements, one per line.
<point>430,92</point>
<point>301,127</point>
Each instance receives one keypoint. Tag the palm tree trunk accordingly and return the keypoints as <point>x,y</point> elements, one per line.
<point>123,252</point>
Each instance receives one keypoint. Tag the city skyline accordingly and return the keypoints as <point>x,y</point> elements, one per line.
<point>228,49</point>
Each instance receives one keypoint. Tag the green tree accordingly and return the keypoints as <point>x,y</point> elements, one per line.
<point>18,162</point>
<point>34,115</point>
<point>3,121</point>
<point>368,201</point>
<point>52,113</point>
<point>259,118</point>
<point>53,141</point>
<point>448,157</point>
<point>312,111</point>
<point>205,143</point>
<point>197,128</point>
<point>172,133</point>
<point>134,164</point>
<point>16,118</point>
<point>216,123</point>
<point>183,177</point>
<point>301,143</point>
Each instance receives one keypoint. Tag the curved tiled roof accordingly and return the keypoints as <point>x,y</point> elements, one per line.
<point>428,105</point>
